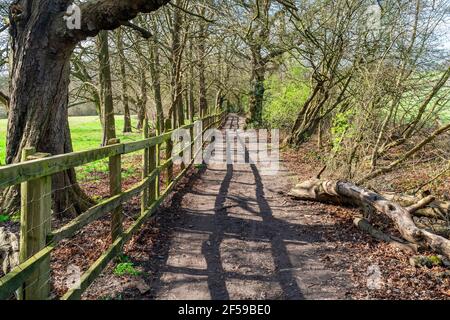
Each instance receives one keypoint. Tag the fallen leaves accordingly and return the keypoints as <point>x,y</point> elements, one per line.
<point>355,251</point>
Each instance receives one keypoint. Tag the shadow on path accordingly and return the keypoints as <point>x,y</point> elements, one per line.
<point>203,229</point>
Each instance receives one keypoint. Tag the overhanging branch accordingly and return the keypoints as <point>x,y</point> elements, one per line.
<point>145,33</point>
<point>105,15</point>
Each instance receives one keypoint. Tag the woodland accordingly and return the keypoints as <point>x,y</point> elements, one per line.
<point>359,90</point>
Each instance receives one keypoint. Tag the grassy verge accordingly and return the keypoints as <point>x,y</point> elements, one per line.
<point>86,134</point>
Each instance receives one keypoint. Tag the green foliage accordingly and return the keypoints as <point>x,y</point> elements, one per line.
<point>4,218</point>
<point>126,268</point>
<point>245,100</point>
<point>15,217</point>
<point>340,127</point>
<point>285,96</point>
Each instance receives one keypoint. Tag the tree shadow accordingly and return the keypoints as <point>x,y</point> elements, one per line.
<point>274,233</point>
<point>211,248</point>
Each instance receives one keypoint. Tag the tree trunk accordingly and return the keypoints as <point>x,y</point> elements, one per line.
<point>365,226</point>
<point>190,85</point>
<point>38,105</point>
<point>142,103</point>
<point>258,89</point>
<point>156,82</point>
<point>4,99</point>
<point>309,117</point>
<point>123,75</point>
<point>203,102</point>
<point>109,129</point>
<point>176,81</point>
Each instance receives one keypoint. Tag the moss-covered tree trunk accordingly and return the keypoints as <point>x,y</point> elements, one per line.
<point>258,89</point>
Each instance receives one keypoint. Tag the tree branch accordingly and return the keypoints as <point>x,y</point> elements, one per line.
<point>405,157</point>
<point>145,33</point>
<point>105,15</point>
<point>192,13</point>
<point>421,204</point>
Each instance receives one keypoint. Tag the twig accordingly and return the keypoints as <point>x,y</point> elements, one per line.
<point>191,13</point>
<point>433,179</point>
<point>421,204</point>
<point>144,32</point>
<point>321,172</point>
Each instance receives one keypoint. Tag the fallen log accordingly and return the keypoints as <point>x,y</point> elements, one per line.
<point>342,192</point>
<point>365,226</point>
<point>436,209</point>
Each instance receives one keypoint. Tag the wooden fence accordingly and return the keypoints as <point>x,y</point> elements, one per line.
<point>30,279</point>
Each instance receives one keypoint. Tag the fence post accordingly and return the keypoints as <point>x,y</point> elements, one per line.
<point>169,147</point>
<point>153,186</point>
<point>157,164</point>
<point>145,169</point>
<point>35,225</point>
<point>182,165</point>
<point>192,132</point>
<point>115,187</point>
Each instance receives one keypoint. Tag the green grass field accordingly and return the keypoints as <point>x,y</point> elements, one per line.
<point>86,133</point>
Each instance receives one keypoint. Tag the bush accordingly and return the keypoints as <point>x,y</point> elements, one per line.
<point>284,98</point>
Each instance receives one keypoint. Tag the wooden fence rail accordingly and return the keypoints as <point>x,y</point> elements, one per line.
<point>30,279</point>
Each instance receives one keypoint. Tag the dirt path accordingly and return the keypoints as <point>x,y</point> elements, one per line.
<point>235,237</point>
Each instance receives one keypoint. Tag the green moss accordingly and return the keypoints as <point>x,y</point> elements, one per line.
<point>13,218</point>
<point>426,261</point>
<point>435,260</point>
